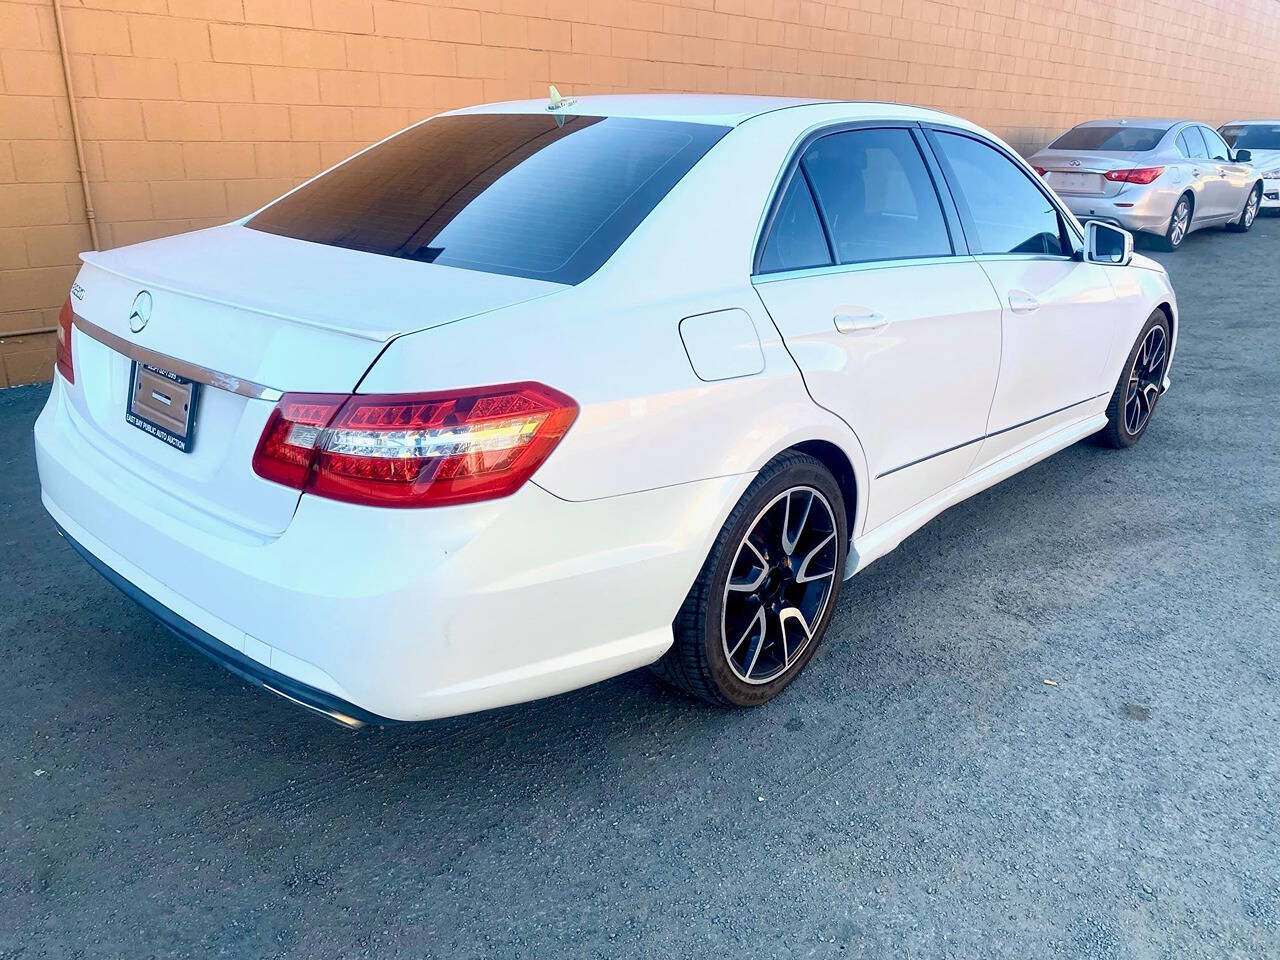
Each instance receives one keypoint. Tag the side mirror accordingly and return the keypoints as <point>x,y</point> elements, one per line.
<point>1244,156</point>
<point>1106,244</point>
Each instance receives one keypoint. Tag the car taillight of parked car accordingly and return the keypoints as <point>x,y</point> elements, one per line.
<point>62,356</point>
<point>413,450</point>
<point>1136,175</point>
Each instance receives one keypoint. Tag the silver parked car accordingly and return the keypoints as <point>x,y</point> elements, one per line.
<point>1262,139</point>
<point>1162,177</point>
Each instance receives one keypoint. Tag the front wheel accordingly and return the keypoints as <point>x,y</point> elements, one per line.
<point>1134,400</point>
<point>1249,212</point>
<point>765,594</point>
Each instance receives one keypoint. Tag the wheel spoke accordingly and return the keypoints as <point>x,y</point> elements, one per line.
<point>1133,412</point>
<point>758,618</point>
<point>1153,364</point>
<point>758,645</point>
<point>787,615</point>
<point>802,572</point>
<point>740,586</point>
<point>1149,394</point>
<point>788,541</point>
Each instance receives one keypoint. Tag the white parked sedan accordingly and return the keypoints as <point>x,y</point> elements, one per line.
<point>529,395</point>
<point>1262,139</point>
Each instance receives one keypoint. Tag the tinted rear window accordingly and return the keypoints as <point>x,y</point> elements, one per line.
<point>1252,136</point>
<point>1133,139</point>
<point>547,197</point>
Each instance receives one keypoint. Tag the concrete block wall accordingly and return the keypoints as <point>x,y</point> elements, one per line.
<point>197,111</point>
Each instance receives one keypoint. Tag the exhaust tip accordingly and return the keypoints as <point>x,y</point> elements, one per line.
<point>341,719</point>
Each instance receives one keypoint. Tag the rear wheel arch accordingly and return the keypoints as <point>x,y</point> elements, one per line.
<point>1191,199</point>
<point>837,461</point>
<point>1167,240</point>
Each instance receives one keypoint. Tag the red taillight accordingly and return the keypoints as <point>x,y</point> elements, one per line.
<point>288,445</point>
<point>1136,175</point>
<point>1040,170</point>
<point>64,363</point>
<point>414,450</point>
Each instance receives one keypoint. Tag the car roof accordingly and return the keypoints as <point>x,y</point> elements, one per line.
<point>727,110</point>
<point>1260,121</point>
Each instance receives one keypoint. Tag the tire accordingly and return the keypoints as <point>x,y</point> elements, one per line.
<point>1249,212</point>
<point>1179,225</point>
<point>1134,401</point>
<point>794,494</point>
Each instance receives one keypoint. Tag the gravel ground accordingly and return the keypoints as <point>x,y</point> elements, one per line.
<point>920,792</point>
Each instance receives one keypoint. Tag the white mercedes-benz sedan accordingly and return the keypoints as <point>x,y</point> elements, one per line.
<point>532,394</point>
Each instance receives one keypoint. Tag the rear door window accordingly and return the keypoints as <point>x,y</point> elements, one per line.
<point>1010,213</point>
<point>549,197</point>
<point>1118,137</point>
<point>1192,144</point>
<point>1216,146</point>
<point>876,196</point>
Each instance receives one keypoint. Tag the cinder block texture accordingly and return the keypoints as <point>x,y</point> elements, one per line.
<point>196,111</point>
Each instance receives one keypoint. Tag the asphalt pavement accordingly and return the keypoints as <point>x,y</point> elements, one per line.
<point>920,792</point>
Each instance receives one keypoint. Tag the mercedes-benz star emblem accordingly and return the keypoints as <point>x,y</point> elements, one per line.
<point>141,312</point>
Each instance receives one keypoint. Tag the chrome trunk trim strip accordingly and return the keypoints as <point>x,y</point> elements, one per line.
<point>192,371</point>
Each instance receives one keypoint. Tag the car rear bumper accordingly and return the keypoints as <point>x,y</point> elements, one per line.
<point>376,614</point>
<point>334,708</point>
<point>1149,211</point>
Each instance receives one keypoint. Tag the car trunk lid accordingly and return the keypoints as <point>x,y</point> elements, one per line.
<point>261,315</point>
<point>1083,173</point>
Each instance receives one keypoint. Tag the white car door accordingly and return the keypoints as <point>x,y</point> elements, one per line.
<point>1060,319</point>
<point>894,328</point>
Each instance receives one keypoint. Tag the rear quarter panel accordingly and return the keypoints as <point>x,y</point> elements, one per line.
<point>646,419</point>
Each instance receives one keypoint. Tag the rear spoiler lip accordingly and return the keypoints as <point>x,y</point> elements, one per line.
<point>94,259</point>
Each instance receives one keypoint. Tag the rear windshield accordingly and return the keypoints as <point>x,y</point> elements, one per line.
<point>1131,139</point>
<point>547,197</point>
<point>1252,136</point>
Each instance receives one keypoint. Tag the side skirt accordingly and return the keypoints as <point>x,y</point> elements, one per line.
<point>875,544</point>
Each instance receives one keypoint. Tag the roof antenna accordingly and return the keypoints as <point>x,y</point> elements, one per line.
<point>559,103</point>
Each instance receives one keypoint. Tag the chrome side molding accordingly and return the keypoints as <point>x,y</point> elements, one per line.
<point>192,371</point>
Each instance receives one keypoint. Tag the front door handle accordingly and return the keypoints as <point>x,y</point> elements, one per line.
<point>860,322</point>
<point>1022,302</point>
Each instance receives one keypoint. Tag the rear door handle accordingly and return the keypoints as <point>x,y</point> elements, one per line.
<point>1022,302</point>
<point>860,322</point>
